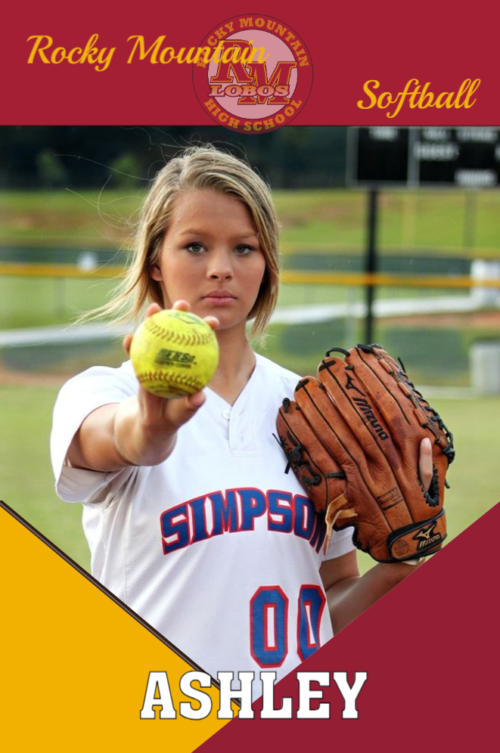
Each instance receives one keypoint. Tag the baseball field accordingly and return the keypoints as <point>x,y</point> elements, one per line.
<point>322,230</point>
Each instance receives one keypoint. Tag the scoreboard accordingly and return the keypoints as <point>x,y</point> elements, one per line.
<point>464,157</point>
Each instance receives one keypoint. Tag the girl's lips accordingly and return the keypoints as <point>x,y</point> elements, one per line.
<point>219,300</point>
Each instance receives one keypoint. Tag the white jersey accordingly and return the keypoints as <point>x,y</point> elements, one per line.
<point>217,548</point>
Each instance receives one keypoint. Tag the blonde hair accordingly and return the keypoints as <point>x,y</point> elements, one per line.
<point>197,169</point>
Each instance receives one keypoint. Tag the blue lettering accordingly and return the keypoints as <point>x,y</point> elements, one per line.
<point>174,523</point>
<point>200,529</point>
<point>225,513</point>
<point>281,511</point>
<point>253,505</point>
<point>310,608</point>
<point>269,620</point>
<point>304,517</point>
<point>319,534</point>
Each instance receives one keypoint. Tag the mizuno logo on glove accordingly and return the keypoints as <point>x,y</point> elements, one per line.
<point>366,408</point>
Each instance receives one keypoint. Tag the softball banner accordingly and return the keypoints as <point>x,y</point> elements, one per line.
<point>248,71</point>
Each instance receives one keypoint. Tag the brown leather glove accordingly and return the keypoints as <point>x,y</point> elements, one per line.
<point>352,437</point>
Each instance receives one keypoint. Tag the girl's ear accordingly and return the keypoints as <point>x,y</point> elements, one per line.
<point>155,273</point>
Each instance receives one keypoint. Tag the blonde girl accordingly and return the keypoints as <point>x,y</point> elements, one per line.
<point>190,517</point>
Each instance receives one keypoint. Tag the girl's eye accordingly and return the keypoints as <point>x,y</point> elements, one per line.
<point>243,249</point>
<point>195,248</point>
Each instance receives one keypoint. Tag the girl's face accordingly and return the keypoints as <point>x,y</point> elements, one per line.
<point>211,257</point>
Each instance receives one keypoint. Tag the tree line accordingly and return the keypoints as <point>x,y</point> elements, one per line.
<point>52,157</point>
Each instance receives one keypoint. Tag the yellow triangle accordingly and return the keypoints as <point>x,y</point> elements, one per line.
<point>75,665</point>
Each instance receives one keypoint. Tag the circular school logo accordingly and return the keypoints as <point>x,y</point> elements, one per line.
<point>254,74</point>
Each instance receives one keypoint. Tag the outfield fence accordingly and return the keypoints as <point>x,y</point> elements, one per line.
<point>435,323</point>
<point>355,279</point>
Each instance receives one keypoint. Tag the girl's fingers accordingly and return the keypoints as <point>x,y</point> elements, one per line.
<point>181,305</point>
<point>153,308</point>
<point>126,343</point>
<point>212,321</point>
<point>425,462</point>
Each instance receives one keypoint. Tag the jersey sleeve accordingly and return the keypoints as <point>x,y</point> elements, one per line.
<point>340,544</point>
<point>77,399</point>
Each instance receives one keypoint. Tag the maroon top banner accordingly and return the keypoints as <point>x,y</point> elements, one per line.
<point>382,64</point>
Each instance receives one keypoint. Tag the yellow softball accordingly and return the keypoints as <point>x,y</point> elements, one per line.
<point>174,353</point>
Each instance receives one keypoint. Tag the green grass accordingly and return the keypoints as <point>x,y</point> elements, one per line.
<point>27,485</point>
<point>427,220</point>
<point>26,480</point>
<point>43,301</point>
<point>68,218</point>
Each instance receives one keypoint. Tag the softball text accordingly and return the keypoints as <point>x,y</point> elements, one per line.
<point>419,97</point>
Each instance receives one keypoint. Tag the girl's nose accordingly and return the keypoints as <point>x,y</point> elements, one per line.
<point>219,266</point>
